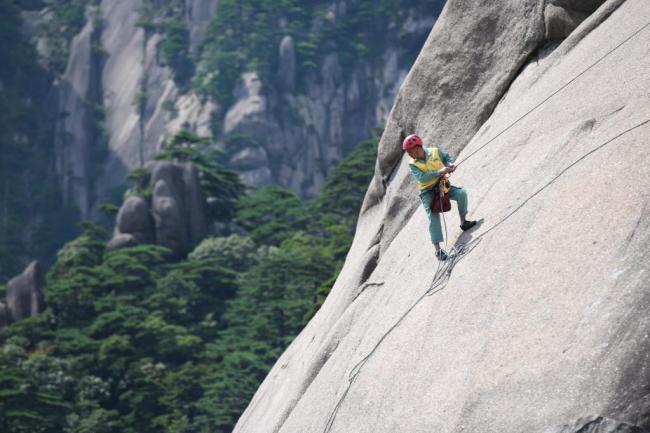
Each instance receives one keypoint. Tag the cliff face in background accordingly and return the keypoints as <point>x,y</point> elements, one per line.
<point>542,326</point>
<point>119,101</point>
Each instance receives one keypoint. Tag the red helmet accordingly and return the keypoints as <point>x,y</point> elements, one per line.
<point>411,141</point>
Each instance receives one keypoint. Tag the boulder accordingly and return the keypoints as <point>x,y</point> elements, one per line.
<point>545,320</point>
<point>134,218</point>
<point>24,295</point>
<point>176,217</point>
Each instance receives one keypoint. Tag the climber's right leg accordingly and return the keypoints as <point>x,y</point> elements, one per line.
<point>435,231</point>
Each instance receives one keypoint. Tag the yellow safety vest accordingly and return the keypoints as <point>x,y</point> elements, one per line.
<point>432,163</point>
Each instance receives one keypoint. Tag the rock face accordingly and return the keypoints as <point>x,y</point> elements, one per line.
<point>175,218</point>
<point>24,294</point>
<point>545,320</point>
<point>292,137</point>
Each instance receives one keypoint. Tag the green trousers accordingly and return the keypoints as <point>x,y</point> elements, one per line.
<point>455,193</point>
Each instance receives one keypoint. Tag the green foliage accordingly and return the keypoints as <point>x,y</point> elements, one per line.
<point>32,389</point>
<point>234,251</point>
<point>133,343</point>
<point>222,187</point>
<point>271,215</point>
<point>346,185</point>
<point>139,178</point>
<point>109,210</point>
<point>167,17</point>
<point>274,301</point>
<point>220,74</point>
<point>120,346</point>
<point>245,35</point>
<point>65,20</point>
<point>84,251</point>
<point>175,50</point>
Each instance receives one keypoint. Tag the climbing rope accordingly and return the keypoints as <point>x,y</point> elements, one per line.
<point>445,268</point>
<point>457,252</point>
<point>550,182</point>
<point>564,86</point>
<point>440,278</point>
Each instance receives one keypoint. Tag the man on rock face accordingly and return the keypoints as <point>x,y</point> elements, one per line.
<point>428,166</point>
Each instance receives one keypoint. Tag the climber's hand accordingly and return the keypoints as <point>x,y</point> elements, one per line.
<point>452,168</point>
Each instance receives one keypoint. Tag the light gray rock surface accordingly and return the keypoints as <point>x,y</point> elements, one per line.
<point>24,293</point>
<point>72,137</point>
<point>287,64</point>
<point>545,321</point>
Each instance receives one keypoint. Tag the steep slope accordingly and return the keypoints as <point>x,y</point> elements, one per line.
<point>542,322</point>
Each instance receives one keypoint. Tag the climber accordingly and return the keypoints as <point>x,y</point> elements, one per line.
<point>428,165</point>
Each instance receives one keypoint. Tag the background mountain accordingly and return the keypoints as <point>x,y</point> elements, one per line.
<point>95,89</point>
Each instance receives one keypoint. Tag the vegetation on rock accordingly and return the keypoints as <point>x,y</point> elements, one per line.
<point>133,343</point>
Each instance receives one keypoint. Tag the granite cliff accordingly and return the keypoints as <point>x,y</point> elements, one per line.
<point>540,325</point>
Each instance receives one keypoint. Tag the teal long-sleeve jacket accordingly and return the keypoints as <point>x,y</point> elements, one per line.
<point>423,176</point>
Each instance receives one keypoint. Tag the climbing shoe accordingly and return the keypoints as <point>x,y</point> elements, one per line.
<point>467,225</point>
<point>441,255</point>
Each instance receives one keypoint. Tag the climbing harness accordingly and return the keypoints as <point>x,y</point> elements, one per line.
<point>457,252</point>
<point>440,190</point>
